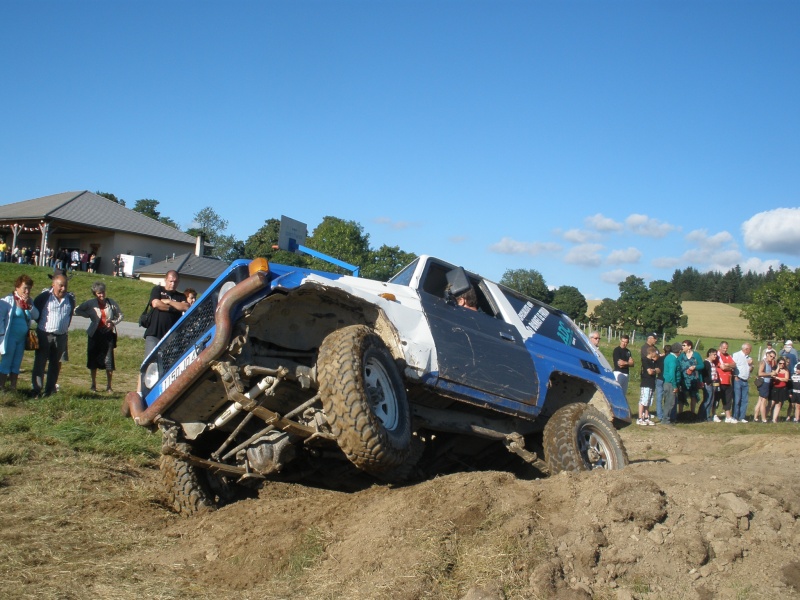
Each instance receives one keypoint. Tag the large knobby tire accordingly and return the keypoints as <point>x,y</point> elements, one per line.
<point>364,399</point>
<point>185,486</point>
<point>407,471</point>
<point>579,438</point>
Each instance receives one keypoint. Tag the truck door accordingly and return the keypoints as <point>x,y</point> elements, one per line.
<point>476,349</point>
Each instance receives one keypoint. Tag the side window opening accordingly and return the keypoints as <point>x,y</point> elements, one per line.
<point>485,301</point>
<point>435,282</point>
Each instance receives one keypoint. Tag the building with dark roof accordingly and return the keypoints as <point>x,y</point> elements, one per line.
<point>86,221</point>
<point>196,272</point>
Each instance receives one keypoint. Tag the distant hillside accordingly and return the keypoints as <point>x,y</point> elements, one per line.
<point>708,319</point>
<point>714,319</point>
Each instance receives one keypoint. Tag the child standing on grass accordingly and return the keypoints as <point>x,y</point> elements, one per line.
<point>648,386</point>
<point>710,386</point>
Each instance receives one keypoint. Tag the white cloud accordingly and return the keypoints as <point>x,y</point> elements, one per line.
<point>647,226</point>
<point>701,238</point>
<point>601,223</point>
<point>717,252</point>
<point>580,236</point>
<point>724,261</point>
<point>631,255</point>
<point>773,231</point>
<point>587,255</point>
<point>509,246</point>
<point>615,276</point>
<point>458,239</point>
<point>756,265</point>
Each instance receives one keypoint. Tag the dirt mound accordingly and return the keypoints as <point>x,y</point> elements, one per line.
<point>695,515</point>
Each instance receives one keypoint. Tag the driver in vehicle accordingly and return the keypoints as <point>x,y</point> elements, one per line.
<point>468,299</point>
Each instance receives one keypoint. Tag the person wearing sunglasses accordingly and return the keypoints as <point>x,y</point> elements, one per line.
<point>766,370</point>
<point>780,388</point>
<point>594,338</point>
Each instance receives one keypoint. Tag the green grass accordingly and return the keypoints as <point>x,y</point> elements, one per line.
<point>130,294</point>
<point>308,549</point>
<point>75,419</point>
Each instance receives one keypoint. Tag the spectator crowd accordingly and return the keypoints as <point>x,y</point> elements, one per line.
<point>65,259</point>
<point>41,324</point>
<point>678,384</point>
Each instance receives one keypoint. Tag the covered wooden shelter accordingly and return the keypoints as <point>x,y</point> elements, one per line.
<point>87,222</point>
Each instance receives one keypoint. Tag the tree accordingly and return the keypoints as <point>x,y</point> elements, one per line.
<point>111,197</point>
<point>654,308</point>
<point>633,299</point>
<point>147,207</point>
<point>528,282</point>
<point>228,248</point>
<point>344,240</point>
<point>775,310</point>
<point>384,262</point>
<point>606,314</point>
<point>728,288</point>
<point>261,243</point>
<point>208,223</point>
<point>170,222</point>
<point>337,238</point>
<point>663,313</point>
<point>212,227</point>
<point>571,301</point>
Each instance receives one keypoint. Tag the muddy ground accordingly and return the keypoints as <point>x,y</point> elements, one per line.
<point>697,514</point>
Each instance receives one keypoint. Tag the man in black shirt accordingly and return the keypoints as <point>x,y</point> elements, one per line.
<point>623,361</point>
<point>168,306</point>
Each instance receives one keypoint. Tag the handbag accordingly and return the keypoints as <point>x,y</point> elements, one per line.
<point>759,382</point>
<point>146,316</point>
<point>32,340</point>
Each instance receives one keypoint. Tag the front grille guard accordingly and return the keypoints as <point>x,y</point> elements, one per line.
<point>187,333</point>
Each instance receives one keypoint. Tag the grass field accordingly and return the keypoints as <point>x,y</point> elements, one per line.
<point>74,418</point>
<point>130,294</point>
<point>708,319</point>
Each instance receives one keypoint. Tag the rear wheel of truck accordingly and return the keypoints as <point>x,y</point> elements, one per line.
<point>364,399</point>
<point>579,438</point>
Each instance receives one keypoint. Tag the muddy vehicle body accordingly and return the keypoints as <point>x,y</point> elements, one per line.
<point>276,371</point>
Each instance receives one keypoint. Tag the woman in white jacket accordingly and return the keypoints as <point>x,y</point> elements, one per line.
<point>16,313</point>
<point>104,315</point>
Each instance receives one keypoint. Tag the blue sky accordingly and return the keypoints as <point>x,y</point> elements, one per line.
<point>588,140</point>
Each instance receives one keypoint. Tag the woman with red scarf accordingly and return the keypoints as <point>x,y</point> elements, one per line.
<point>16,313</point>
<point>104,315</point>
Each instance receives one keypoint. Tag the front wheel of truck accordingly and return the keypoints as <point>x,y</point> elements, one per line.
<point>579,438</point>
<point>185,486</point>
<point>364,399</point>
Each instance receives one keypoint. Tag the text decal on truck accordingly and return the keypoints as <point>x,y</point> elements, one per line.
<point>176,372</point>
<point>536,321</point>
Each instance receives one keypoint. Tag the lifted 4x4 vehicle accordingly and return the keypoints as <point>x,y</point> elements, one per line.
<point>276,371</point>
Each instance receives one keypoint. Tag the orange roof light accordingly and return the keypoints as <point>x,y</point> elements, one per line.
<point>258,264</point>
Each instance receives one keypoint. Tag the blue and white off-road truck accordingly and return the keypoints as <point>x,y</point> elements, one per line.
<point>278,371</point>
